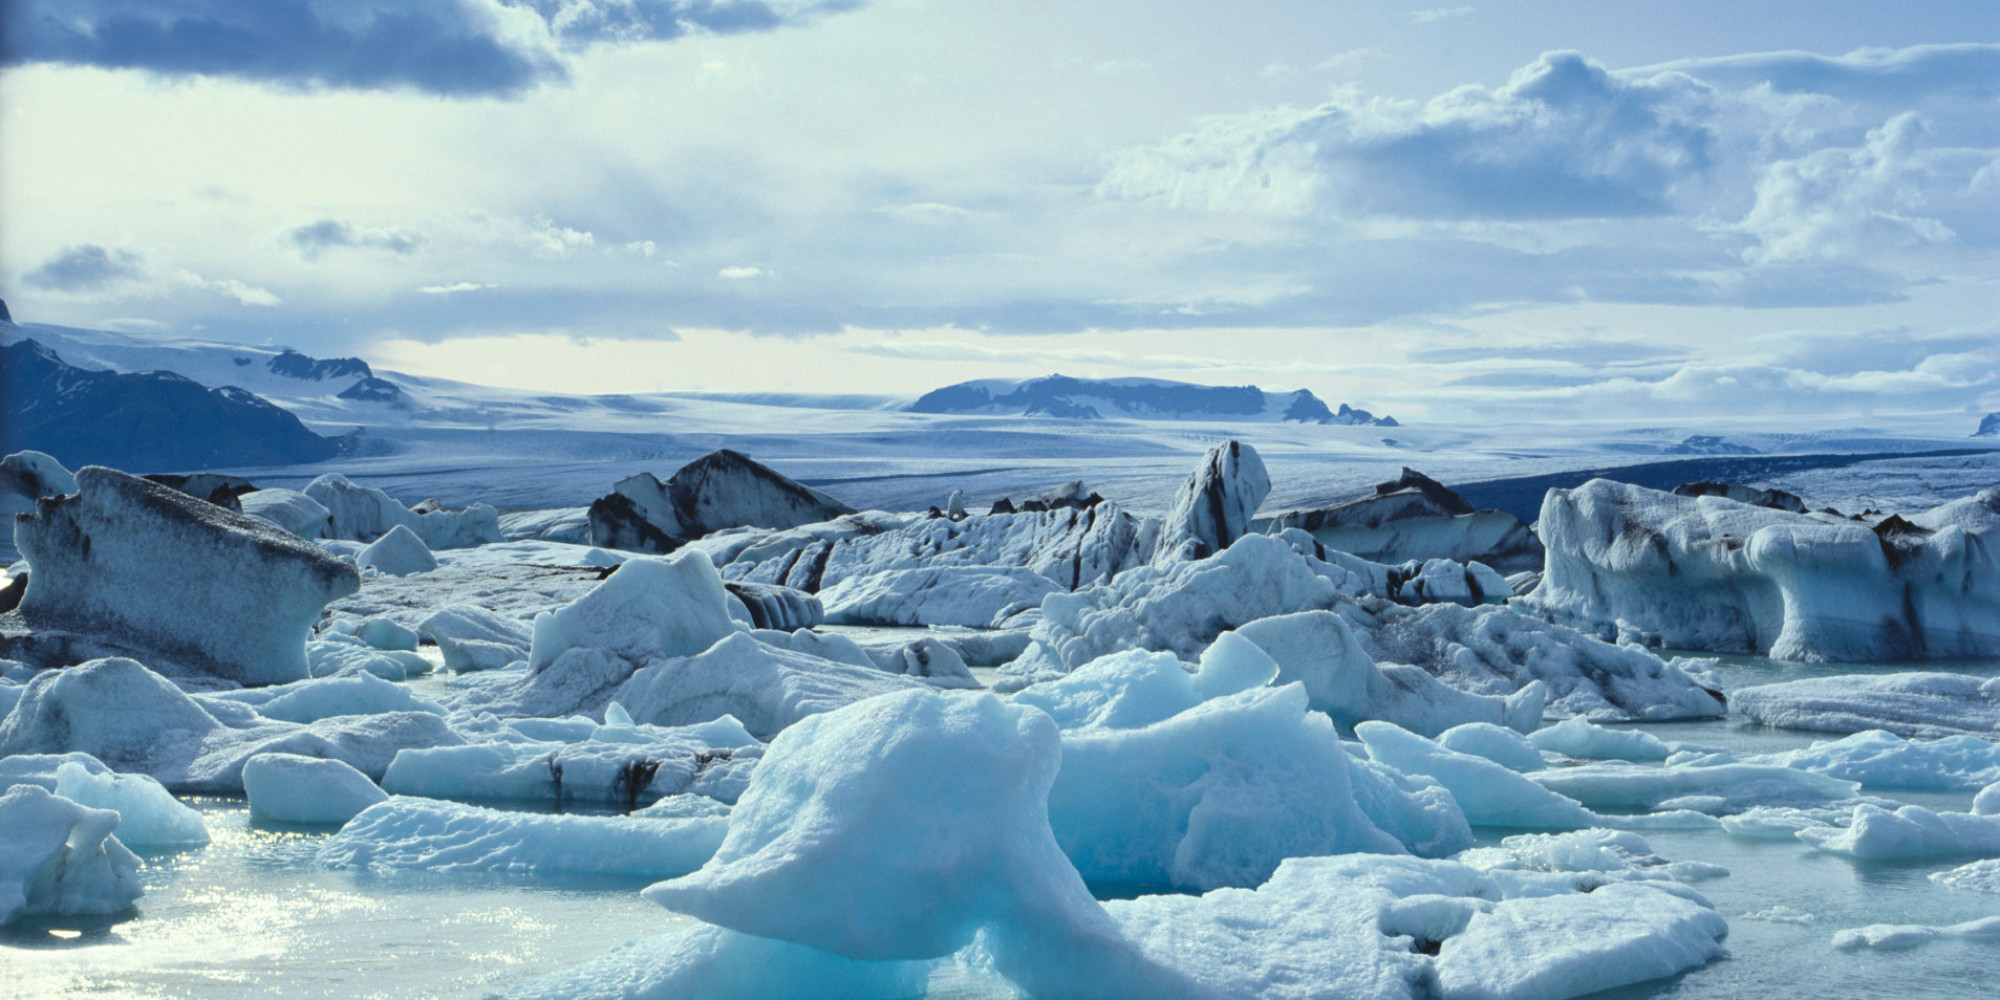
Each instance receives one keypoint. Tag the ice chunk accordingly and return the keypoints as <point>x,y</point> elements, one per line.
<point>1214,508</point>
<point>150,568</point>
<point>1913,704</point>
<point>1716,788</point>
<point>1319,650</point>
<point>1434,580</point>
<point>1414,809</point>
<point>135,720</point>
<point>711,963</point>
<point>58,858</point>
<point>830,645</point>
<point>649,608</point>
<point>1979,876</point>
<point>1897,937</point>
<point>1125,690</point>
<point>40,769</point>
<point>766,688</point>
<point>1573,944</point>
<point>927,657</point>
<point>288,509</point>
<point>1498,744</point>
<point>363,514</point>
<point>377,633</point>
<point>291,788</point>
<point>473,638</point>
<point>1495,650</point>
<point>1879,759</point>
<point>1714,574</point>
<point>626,764</point>
<point>336,653</point>
<point>899,827</point>
<point>1231,664</point>
<point>1576,737</point>
<point>1216,795</point>
<point>976,596</point>
<point>1489,794</point>
<point>404,832</point>
<point>399,552</point>
<point>1909,832</point>
<point>358,693</point>
<point>148,814</point>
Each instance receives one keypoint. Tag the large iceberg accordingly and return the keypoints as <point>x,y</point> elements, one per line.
<point>1214,508</point>
<point>1714,574</point>
<point>134,565</point>
<point>58,858</point>
<point>722,489</point>
<point>1414,517</point>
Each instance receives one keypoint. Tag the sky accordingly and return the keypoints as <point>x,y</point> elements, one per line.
<point>1770,215</point>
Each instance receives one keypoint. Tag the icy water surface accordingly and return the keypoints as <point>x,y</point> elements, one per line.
<point>253,914</point>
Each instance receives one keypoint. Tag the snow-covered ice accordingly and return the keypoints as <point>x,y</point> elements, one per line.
<point>1900,937</point>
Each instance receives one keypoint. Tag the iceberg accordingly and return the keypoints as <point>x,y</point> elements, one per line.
<point>148,814</point>
<point>399,552</point>
<point>767,688</point>
<point>722,489</point>
<point>1488,793</point>
<point>1214,508</point>
<point>1908,832</point>
<point>1711,573</point>
<point>411,833</point>
<point>1898,937</point>
<point>649,608</point>
<point>59,859</point>
<point>293,788</point>
<point>473,638</point>
<point>1577,737</point>
<point>288,509</point>
<point>364,514</point>
<point>711,963</point>
<point>129,562</point>
<point>974,596</point>
<point>1414,517</point>
<point>625,764</point>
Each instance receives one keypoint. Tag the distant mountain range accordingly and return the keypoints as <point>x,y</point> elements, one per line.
<point>1136,398</point>
<point>149,421</point>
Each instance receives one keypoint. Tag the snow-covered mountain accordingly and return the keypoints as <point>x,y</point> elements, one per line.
<point>149,421</point>
<point>1136,398</point>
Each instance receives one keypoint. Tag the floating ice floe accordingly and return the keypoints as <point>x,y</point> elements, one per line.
<point>1978,876</point>
<point>1714,788</point>
<point>1908,832</point>
<point>617,763</point>
<point>1906,704</point>
<point>364,514</point>
<point>1899,937</point>
<point>399,552</point>
<point>1877,759</point>
<point>354,693</point>
<point>1414,517</point>
<point>413,833</point>
<point>127,565</point>
<point>293,788</point>
<point>59,859</point>
<point>148,814</point>
<point>1489,794</point>
<point>1714,574</point>
<point>1576,737</point>
<point>134,720</point>
<point>722,489</point>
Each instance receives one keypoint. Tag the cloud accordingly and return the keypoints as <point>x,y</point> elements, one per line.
<point>314,239</point>
<point>1843,202</point>
<point>454,48</point>
<point>84,268</point>
<point>462,286</point>
<point>1917,72</point>
<point>1437,14</point>
<point>547,241</point>
<point>1564,138</point>
<point>740,273</point>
